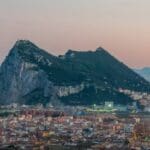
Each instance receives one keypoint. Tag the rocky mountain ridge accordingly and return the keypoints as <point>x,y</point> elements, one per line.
<point>30,75</point>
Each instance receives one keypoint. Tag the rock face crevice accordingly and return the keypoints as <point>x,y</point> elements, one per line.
<point>30,75</point>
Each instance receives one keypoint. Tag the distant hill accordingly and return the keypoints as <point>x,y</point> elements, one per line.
<point>30,75</point>
<point>144,72</point>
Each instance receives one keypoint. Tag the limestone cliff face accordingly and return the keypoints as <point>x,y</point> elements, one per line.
<point>18,77</point>
<point>30,75</point>
<point>9,85</point>
<point>68,90</point>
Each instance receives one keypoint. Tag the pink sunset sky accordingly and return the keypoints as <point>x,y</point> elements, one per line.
<point>120,26</point>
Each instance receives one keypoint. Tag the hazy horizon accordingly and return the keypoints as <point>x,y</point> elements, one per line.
<point>119,26</point>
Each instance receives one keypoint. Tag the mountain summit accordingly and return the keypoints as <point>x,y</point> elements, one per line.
<point>30,75</point>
